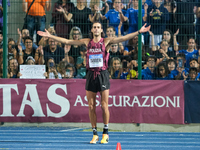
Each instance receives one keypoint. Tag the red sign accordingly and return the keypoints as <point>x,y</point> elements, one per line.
<point>130,101</point>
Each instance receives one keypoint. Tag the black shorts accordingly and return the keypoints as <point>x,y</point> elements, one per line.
<point>100,83</point>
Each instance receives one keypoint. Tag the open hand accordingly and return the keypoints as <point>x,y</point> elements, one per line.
<point>144,29</point>
<point>44,34</point>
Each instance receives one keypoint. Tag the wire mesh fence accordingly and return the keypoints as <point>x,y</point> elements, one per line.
<point>169,51</point>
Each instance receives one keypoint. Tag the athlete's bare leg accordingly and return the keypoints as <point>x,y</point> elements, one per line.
<point>104,106</point>
<point>91,97</point>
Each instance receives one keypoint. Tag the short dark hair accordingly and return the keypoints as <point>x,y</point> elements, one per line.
<point>28,38</point>
<point>194,59</point>
<point>181,55</point>
<point>193,69</point>
<point>1,32</point>
<point>171,60</point>
<point>152,56</point>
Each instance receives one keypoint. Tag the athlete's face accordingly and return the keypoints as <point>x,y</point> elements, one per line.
<point>96,29</point>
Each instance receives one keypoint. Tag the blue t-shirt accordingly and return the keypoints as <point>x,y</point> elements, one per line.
<point>132,15</point>
<point>168,77</point>
<point>114,19</point>
<point>186,71</point>
<point>123,75</point>
<point>174,73</point>
<point>189,55</point>
<point>157,22</point>
<point>115,75</point>
<point>147,74</point>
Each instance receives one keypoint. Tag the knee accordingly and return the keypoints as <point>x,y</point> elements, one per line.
<point>92,107</point>
<point>104,106</point>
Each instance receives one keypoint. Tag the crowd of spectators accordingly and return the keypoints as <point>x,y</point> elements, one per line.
<point>170,51</point>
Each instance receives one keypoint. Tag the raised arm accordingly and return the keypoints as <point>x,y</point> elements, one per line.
<point>129,36</point>
<point>63,40</point>
<point>48,5</point>
<point>175,41</point>
<point>24,5</point>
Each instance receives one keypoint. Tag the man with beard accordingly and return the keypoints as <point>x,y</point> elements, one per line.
<point>22,35</point>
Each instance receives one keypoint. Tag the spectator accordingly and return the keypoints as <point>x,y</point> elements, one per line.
<point>61,17</point>
<point>171,7</point>
<point>111,32</point>
<point>163,54</point>
<point>22,35</point>
<point>115,16</point>
<point>173,44</point>
<point>75,34</point>
<point>193,73</point>
<point>29,51</point>
<point>11,48</point>
<point>185,19</point>
<point>13,68</point>
<point>163,72</point>
<point>134,55</point>
<point>1,13</point>
<point>53,51</point>
<point>181,63</point>
<point>190,52</point>
<point>193,64</point>
<point>62,68</point>
<point>131,45</point>
<point>96,8</point>
<point>125,70</point>
<point>171,65</point>
<point>115,67</point>
<point>132,16</point>
<point>30,60</point>
<point>149,72</point>
<point>51,70</point>
<point>157,17</point>
<point>115,51</point>
<point>36,18</point>
<point>43,41</point>
<point>70,71</point>
<point>81,65</point>
<point>82,17</point>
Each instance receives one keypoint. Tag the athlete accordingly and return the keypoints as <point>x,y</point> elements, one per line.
<point>97,78</point>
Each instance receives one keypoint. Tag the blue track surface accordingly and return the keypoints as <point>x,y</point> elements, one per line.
<point>59,138</point>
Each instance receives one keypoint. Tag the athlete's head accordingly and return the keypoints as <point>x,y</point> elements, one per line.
<point>97,30</point>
